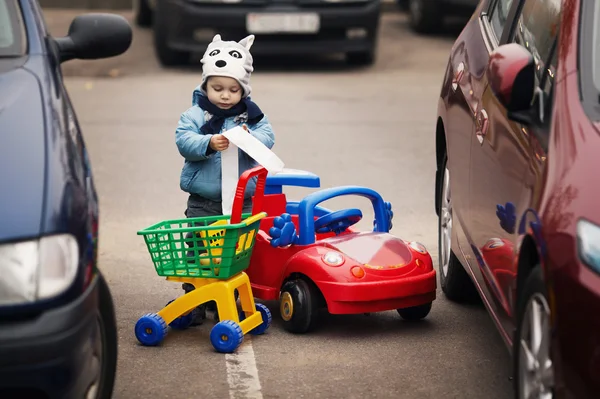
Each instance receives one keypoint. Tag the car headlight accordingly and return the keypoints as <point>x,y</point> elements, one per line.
<point>588,244</point>
<point>333,258</point>
<point>37,269</point>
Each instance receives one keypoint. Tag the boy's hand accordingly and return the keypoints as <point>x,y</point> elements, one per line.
<point>218,142</point>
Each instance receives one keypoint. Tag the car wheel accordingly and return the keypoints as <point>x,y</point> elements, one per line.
<point>425,15</point>
<point>166,55</point>
<point>454,280</point>
<point>105,349</point>
<point>361,59</point>
<point>415,313</point>
<point>142,13</point>
<point>298,306</point>
<point>533,367</point>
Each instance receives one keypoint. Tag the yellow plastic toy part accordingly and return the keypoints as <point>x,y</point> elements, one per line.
<point>220,291</point>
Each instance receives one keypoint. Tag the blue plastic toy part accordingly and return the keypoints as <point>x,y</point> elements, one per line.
<point>306,209</point>
<point>266,317</point>
<point>151,329</point>
<point>390,214</point>
<point>507,216</point>
<point>226,336</point>
<point>283,232</point>
<point>183,322</point>
<point>338,221</point>
<point>291,177</point>
<point>293,207</point>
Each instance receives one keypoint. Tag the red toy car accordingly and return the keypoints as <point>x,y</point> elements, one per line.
<point>329,264</point>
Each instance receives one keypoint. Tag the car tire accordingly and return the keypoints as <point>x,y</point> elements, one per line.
<point>299,306</point>
<point>454,280</point>
<point>167,56</point>
<point>142,13</point>
<point>534,296</point>
<point>364,58</point>
<point>425,16</point>
<point>108,322</point>
<point>415,313</point>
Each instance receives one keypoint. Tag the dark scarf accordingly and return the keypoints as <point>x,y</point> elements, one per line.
<point>214,125</point>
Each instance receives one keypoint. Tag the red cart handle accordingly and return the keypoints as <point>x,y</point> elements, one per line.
<point>238,202</point>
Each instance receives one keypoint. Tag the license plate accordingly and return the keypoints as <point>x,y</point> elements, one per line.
<point>283,23</point>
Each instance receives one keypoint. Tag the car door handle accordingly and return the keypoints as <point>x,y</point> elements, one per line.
<point>481,124</point>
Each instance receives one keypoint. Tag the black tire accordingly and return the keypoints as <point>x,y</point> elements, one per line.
<point>305,306</point>
<point>415,313</point>
<point>108,322</point>
<point>425,16</point>
<point>361,59</point>
<point>534,288</point>
<point>166,56</point>
<point>142,13</point>
<point>456,283</point>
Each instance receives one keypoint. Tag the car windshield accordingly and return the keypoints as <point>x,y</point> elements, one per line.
<point>12,35</point>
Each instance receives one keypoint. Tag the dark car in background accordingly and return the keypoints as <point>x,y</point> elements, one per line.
<point>58,336</point>
<point>428,16</point>
<point>518,138</point>
<point>282,27</point>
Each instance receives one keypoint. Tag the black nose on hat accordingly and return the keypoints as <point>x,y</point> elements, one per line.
<point>220,63</point>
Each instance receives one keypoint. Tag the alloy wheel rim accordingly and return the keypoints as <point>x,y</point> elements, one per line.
<point>446,223</point>
<point>536,372</point>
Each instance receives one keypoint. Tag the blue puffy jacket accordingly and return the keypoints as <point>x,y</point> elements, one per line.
<point>201,173</point>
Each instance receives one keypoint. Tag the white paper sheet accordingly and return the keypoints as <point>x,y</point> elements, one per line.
<point>253,147</point>
<point>229,177</point>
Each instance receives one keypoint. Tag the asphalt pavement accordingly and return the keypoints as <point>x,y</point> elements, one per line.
<point>363,126</point>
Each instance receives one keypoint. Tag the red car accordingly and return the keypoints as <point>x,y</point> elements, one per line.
<point>518,138</point>
<point>309,257</point>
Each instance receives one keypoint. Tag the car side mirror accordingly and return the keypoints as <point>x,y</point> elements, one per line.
<point>511,75</point>
<point>95,35</point>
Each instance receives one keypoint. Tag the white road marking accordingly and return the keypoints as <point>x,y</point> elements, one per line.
<point>242,374</point>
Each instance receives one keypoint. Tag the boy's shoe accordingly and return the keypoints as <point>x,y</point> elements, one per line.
<point>199,313</point>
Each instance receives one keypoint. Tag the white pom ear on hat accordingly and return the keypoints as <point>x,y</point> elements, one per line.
<point>217,38</point>
<point>247,42</point>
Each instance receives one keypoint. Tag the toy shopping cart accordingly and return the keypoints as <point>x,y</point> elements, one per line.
<point>210,253</point>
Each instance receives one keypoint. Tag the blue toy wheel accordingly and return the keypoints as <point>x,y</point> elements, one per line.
<point>226,336</point>
<point>182,322</point>
<point>267,318</point>
<point>151,329</point>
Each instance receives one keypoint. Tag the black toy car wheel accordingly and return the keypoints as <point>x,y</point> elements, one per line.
<point>298,306</point>
<point>533,369</point>
<point>105,350</point>
<point>425,15</point>
<point>166,55</point>
<point>142,13</point>
<point>415,312</point>
<point>454,280</point>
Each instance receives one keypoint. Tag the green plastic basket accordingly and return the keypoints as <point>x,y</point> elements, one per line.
<point>218,249</point>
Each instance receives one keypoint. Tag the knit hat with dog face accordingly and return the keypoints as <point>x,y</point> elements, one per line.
<point>231,59</point>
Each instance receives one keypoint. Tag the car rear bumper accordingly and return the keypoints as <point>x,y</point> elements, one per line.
<point>50,356</point>
<point>378,296</point>
<point>343,28</point>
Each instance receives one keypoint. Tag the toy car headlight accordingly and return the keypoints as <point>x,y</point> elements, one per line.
<point>417,246</point>
<point>333,258</point>
<point>37,269</point>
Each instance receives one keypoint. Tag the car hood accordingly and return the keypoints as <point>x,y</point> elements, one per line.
<point>378,250</point>
<point>22,154</point>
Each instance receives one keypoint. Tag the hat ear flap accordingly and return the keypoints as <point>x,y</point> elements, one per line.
<point>247,42</point>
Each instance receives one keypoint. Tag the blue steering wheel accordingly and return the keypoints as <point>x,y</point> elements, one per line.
<point>338,221</point>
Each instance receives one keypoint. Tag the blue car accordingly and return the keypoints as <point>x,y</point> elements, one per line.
<point>58,334</point>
